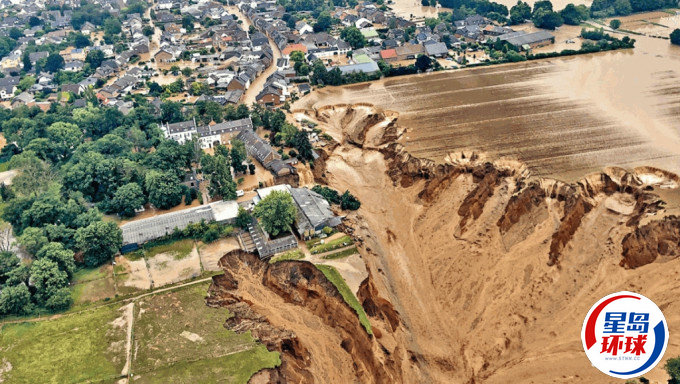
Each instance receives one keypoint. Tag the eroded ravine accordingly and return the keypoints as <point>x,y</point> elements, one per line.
<point>479,272</point>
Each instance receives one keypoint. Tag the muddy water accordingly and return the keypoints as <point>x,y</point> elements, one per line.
<point>563,117</point>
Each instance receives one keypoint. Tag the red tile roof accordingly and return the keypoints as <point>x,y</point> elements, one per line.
<point>388,53</point>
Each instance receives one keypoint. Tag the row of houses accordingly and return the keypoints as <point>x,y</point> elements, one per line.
<point>208,135</point>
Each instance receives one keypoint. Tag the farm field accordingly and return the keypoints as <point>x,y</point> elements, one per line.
<point>562,117</point>
<point>169,330</point>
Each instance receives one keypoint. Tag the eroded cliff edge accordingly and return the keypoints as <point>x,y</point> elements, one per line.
<point>479,272</point>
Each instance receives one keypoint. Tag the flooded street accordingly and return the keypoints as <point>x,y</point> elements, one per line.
<point>563,117</point>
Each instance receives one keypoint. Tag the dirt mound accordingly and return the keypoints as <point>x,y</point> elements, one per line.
<point>292,308</point>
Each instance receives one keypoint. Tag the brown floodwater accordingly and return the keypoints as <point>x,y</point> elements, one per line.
<point>563,117</point>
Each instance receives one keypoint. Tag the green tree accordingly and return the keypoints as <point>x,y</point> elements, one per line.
<point>26,82</point>
<point>323,22</point>
<point>573,15</point>
<point>520,12</point>
<point>8,261</point>
<point>243,219</point>
<point>60,300</point>
<point>238,156</point>
<point>423,63</point>
<point>615,24</point>
<point>164,189</point>
<point>47,279</point>
<point>352,35</point>
<point>81,41</point>
<point>276,212</point>
<point>95,57</point>
<point>98,241</point>
<point>54,63</point>
<point>171,112</point>
<point>220,182</point>
<point>348,201</point>
<point>675,37</point>
<point>57,253</point>
<point>127,198</point>
<point>32,239</point>
<point>547,19</point>
<point>673,368</point>
<point>112,26</point>
<point>302,144</point>
<point>623,7</point>
<point>15,300</point>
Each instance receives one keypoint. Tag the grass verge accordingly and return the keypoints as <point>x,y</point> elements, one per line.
<point>331,245</point>
<point>334,276</point>
<point>342,254</point>
<point>295,254</point>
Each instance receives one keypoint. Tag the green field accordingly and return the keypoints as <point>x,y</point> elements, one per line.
<point>71,349</point>
<point>341,254</point>
<point>334,276</point>
<point>176,339</point>
<point>179,339</point>
<point>180,248</point>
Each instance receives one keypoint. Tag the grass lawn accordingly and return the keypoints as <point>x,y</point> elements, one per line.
<point>331,245</point>
<point>74,348</point>
<point>341,254</point>
<point>179,339</point>
<point>334,276</point>
<point>294,254</point>
<point>235,368</point>
<point>90,285</point>
<point>180,249</point>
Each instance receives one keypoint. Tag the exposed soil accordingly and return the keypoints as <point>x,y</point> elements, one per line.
<point>166,268</point>
<point>490,269</point>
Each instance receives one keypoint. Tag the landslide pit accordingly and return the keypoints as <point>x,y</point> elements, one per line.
<point>478,271</point>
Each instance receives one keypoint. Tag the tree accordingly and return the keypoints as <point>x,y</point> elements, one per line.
<point>15,300</point>
<point>243,219</point>
<point>171,112</point>
<point>547,19</point>
<point>675,37</point>
<point>348,201</point>
<point>32,239</point>
<point>47,279</point>
<point>623,7</point>
<point>352,35</point>
<point>219,174</point>
<point>323,22</point>
<point>238,156</point>
<point>276,212</point>
<point>60,300</point>
<point>54,63</point>
<point>302,144</point>
<point>164,189</point>
<point>251,168</point>
<point>542,5</point>
<point>423,63</point>
<point>573,15</point>
<point>98,241</point>
<point>26,61</point>
<point>81,41</point>
<point>331,195</point>
<point>615,24</point>
<point>112,26</point>
<point>57,253</point>
<point>673,368</point>
<point>8,261</point>
<point>127,198</point>
<point>95,57</point>
<point>520,12</point>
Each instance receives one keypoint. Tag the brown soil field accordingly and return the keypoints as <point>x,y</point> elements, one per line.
<point>563,117</point>
<point>167,268</point>
<point>211,253</point>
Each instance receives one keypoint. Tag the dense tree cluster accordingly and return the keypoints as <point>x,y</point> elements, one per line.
<point>74,164</point>
<point>346,200</point>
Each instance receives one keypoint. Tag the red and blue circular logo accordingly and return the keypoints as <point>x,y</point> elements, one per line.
<point>625,335</point>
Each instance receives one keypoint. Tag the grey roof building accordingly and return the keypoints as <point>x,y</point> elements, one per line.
<point>140,231</point>
<point>314,212</point>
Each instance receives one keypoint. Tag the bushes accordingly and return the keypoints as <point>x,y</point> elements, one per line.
<point>346,201</point>
<point>675,37</point>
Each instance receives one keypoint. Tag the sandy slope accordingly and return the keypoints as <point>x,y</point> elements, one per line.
<point>480,304</point>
